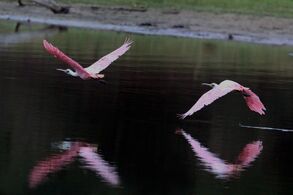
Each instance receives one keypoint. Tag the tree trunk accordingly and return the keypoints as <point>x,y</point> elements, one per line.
<point>50,4</point>
<point>20,3</point>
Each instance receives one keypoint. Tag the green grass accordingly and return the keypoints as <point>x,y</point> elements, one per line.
<point>264,7</point>
<point>259,7</point>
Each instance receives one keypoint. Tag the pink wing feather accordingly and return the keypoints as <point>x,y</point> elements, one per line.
<point>105,61</point>
<point>253,101</point>
<point>64,58</point>
<point>208,98</point>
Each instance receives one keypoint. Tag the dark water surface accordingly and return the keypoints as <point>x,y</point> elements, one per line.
<point>64,135</point>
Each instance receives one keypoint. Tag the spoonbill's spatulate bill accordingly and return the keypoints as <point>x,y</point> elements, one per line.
<point>93,70</point>
<point>219,90</point>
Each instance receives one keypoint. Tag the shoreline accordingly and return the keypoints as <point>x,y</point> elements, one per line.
<point>151,21</point>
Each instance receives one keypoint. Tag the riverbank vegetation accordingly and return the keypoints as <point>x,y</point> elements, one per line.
<point>268,7</point>
<point>283,8</point>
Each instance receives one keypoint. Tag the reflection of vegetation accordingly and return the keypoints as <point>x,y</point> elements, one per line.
<point>8,27</point>
<point>24,32</point>
<point>190,52</point>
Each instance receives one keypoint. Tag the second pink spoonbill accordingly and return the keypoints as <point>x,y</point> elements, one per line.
<point>219,90</point>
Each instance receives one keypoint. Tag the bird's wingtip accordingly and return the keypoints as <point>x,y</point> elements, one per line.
<point>181,116</point>
<point>262,112</point>
<point>45,42</point>
<point>128,41</point>
<point>258,142</point>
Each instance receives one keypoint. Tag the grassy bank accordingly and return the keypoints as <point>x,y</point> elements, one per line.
<point>264,7</point>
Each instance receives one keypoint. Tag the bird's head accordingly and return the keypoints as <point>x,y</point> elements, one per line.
<point>67,71</point>
<point>210,84</point>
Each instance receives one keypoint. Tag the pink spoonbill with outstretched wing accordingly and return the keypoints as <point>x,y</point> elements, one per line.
<point>93,71</point>
<point>219,90</point>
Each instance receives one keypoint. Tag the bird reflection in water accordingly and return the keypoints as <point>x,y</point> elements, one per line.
<point>95,163</point>
<point>218,166</point>
<point>91,159</point>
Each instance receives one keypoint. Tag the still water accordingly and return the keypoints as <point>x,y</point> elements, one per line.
<point>64,135</point>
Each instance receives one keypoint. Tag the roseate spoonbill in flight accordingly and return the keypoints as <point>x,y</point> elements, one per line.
<point>219,90</point>
<point>219,167</point>
<point>93,70</point>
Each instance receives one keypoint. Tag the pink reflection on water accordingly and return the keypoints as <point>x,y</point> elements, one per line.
<point>95,163</point>
<point>52,164</point>
<point>249,153</point>
<point>57,162</point>
<point>218,166</point>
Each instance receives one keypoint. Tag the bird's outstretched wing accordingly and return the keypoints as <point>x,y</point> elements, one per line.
<point>253,101</point>
<point>64,58</point>
<point>208,98</point>
<point>249,153</point>
<point>105,61</point>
